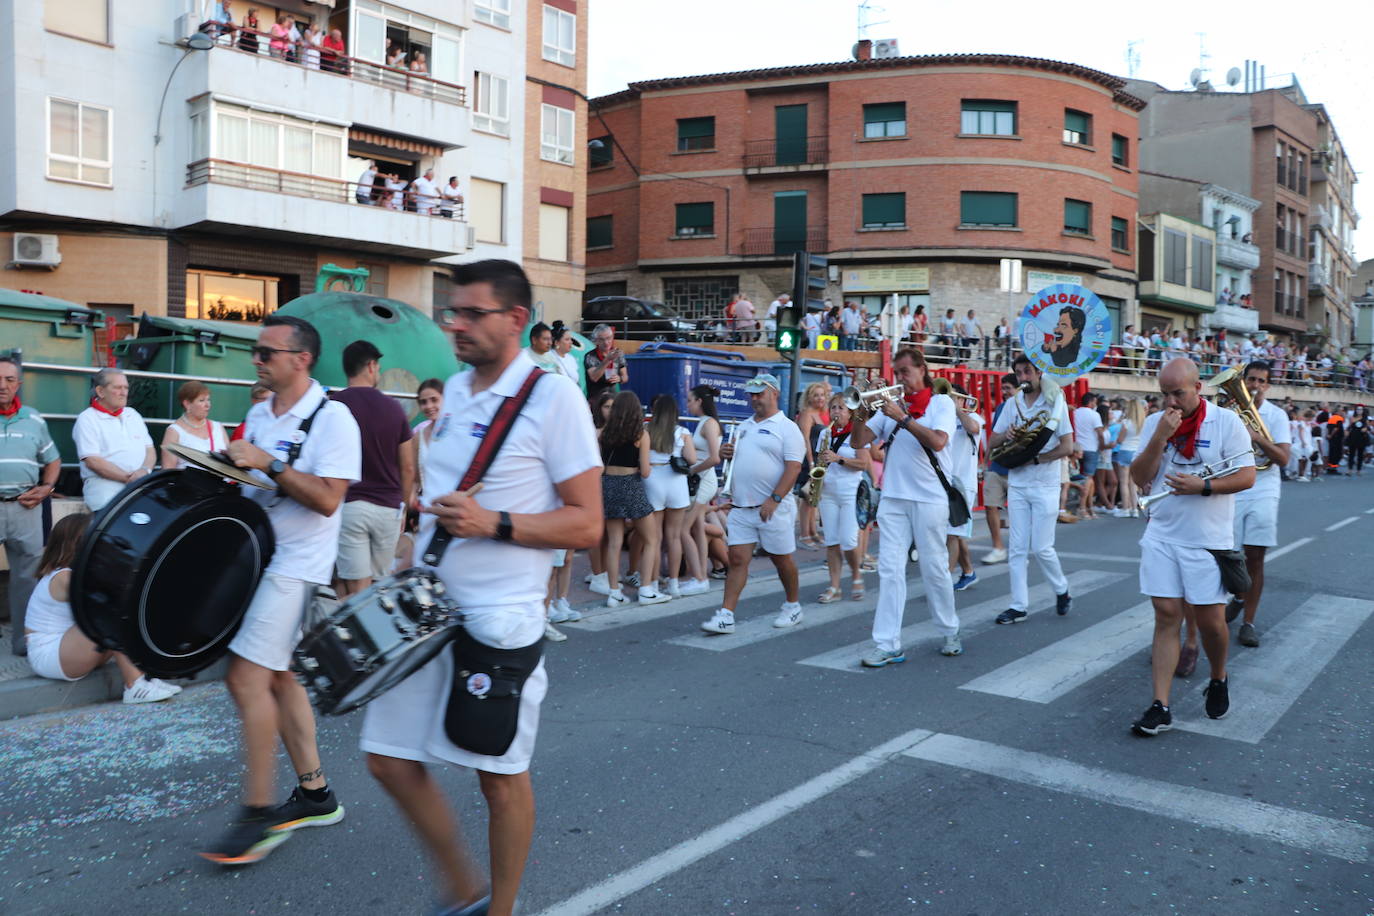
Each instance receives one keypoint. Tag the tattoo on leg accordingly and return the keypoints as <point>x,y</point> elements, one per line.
<point>317,773</point>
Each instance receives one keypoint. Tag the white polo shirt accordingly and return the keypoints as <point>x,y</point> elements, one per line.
<point>761,449</point>
<point>1086,423</point>
<point>963,452</point>
<point>500,585</point>
<point>307,542</point>
<point>907,473</point>
<point>123,441</point>
<point>1267,481</point>
<point>1199,521</point>
<point>1019,412</point>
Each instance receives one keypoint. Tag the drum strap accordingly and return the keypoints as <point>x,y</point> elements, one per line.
<point>497,431</point>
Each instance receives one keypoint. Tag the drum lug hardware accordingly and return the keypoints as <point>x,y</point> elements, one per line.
<point>309,663</point>
<point>343,634</point>
<point>357,655</point>
<point>387,602</point>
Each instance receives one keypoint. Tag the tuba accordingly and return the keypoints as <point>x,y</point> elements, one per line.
<point>1026,440</point>
<point>1231,383</point>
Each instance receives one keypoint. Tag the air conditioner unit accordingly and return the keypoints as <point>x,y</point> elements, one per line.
<point>886,47</point>
<point>31,250</point>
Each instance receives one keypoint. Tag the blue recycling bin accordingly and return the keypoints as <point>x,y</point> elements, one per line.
<point>676,369</point>
<point>812,370</point>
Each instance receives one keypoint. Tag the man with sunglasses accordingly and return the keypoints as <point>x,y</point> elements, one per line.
<point>308,447</point>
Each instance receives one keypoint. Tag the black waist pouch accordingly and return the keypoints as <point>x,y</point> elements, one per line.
<point>1235,578</point>
<point>484,699</point>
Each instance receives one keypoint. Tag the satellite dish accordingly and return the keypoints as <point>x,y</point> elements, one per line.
<point>1233,76</point>
<point>1195,77</point>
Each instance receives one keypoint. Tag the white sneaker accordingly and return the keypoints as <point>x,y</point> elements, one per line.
<point>562,612</point>
<point>789,616</point>
<point>995,556</point>
<point>146,691</point>
<point>653,597</point>
<point>599,585</point>
<point>674,589</point>
<point>587,579</point>
<point>722,622</point>
<point>161,683</point>
<point>695,587</point>
<point>616,599</point>
<point>551,633</point>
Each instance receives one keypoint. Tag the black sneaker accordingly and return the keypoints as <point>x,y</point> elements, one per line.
<point>1011,616</point>
<point>1062,603</point>
<point>1156,719</point>
<point>248,840</point>
<point>1218,698</point>
<point>1234,607</point>
<point>299,811</point>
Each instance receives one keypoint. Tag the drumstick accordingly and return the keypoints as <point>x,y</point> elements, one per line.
<point>439,541</point>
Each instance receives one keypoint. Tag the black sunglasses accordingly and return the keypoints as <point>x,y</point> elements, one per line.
<point>264,354</point>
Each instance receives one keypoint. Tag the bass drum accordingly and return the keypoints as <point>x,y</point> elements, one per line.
<point>168,568</point>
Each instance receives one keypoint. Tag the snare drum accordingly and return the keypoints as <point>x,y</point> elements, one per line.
<point>374,640</point>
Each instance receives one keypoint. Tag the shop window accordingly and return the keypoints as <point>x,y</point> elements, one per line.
<point>225,296</point>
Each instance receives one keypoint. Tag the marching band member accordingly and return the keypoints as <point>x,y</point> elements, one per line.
<point>844,468</point>
<point>1176,565</point>
<point>914,507</point>
<point>1257,509</point>
<point>766,455</point>
<point>1033,491</point>
<point>968,432</point>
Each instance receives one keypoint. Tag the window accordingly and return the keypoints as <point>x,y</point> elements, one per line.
<point>886,119</point>
<point>599,232</point>
<point>1114,308</point>
<point>696,134</point>
<point>553,232</point>
<point>491,104</point>
<point>381,28</point>
<point>696,219</point>
<point>1077,127</point>
<point>1203,265</point>
<point>1078,217</point>
<point>884,211</point>
<point>557,133</point>
<point>1175,257</point>
<point>492,12</point>
<point>980,116</point>
<point>88,19</point>
<point>1121,234</point>
<point>377,276</point>
<point>987,208</point>
<point>274,141</point>
<point>79,139</point>
<point>560,37</point>
<point>223,296</point>
<point>1119,147</point>
<point>486,210</point>
<point>692,297</point>
<point>601,152</point>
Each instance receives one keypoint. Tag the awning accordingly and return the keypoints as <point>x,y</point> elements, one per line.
<point>395,142</point>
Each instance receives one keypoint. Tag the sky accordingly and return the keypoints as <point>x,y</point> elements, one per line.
<point>1322,43</point>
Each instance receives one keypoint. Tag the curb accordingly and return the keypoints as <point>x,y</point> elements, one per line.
<point>28,696</point>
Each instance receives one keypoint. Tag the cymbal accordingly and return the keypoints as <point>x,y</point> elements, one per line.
<point>218,463</point>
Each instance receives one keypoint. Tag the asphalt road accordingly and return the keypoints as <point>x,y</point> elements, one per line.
<point>766,773</point>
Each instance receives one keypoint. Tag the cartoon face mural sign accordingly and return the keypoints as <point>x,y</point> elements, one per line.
<point>1065,330</point>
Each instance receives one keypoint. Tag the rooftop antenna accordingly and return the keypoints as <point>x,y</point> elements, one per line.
<point>1133,57</point>
<point>866,11</point>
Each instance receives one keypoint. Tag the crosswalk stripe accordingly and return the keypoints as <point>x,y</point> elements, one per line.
<point>1287,548</point>
<point>1342,523</point>
<point>972,620</point>
<point>1049,673</point>
<point>1268,680</point>
<point>1069,555</point>
<point>758,629</point>
<point>1243,816</point>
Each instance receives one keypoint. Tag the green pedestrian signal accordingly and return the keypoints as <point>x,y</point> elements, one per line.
<point>788,340</point>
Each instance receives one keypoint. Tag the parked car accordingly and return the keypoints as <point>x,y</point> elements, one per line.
<point>635,319</point>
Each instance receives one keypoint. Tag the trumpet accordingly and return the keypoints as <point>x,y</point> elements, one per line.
<point>941,385</point>
<point>815,480</point>
<point>1219,468</point>
<point>729,465</point>
<point>865,401</point>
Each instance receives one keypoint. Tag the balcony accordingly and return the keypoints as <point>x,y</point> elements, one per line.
<point>240,199</point>
<point>1321,219</point>
<point>775,156</point>
<point>1234,318</point>
<point>1238,254</point>
<point>1316,276</point>
<point>768,240</point>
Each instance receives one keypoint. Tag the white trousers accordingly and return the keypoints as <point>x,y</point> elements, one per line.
<point>902,523</point>
<point>1032,513</point>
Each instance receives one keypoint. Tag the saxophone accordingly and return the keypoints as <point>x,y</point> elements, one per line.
<point>1232,384</point>
<point>815,481</point>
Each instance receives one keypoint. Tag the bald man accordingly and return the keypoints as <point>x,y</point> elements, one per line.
<point>1177,568</point>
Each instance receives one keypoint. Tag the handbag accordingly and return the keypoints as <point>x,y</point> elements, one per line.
<point>679,464</point>
<point>958,506</point>
<point>483,712</point>
<point>1235,577</point>
<point>693,484</point>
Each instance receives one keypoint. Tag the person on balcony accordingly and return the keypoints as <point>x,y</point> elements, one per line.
<point>395,192</point>
<point>450,199</point>
<point>426,193</point>
<point>311,43</point>
<point>281,38</point>
<point>335,52</point>
<point>395,55</point>
<point>418,63</point>
<point>248,34</point>
<point>220,26</point>
<point>367,184</point>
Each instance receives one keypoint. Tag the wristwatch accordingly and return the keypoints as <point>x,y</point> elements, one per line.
<point>504,531</point>
<point>1207,487</point>
<point>1035,460</point>
<point>275,468</point>
<point>776,497</point>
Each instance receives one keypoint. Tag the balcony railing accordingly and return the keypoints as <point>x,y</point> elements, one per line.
<point>762,154</point>
<point>296,184</point>
<point>251,41</point>
<point>768,240</point>
<point>1237,253</point>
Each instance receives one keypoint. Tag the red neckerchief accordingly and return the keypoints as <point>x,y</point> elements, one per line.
<point>841,432</point>
<point>95,402</point>
<point>1184,440</point>
<point>917,403</point>
<point>14,408</point>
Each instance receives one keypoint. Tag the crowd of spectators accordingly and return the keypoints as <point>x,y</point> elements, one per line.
<point>424,195</point>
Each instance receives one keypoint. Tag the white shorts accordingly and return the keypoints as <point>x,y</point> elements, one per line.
<point>666,488</point>
<point>1173,571</point>
<point>271,627</point>
<point>777,536</point>
<point>559,558</point>
<point>45,655</point>
<point>1257,522</point>
<point>367,539</point>
<point>839,522</point>
<point>708,488</point>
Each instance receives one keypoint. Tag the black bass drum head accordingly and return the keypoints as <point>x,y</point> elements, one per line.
<point>168,568</point>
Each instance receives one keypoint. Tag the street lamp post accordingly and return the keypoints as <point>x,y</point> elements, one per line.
<point>197,42</point>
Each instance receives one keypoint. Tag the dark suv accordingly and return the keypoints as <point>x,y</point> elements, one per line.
<point>635,319</point>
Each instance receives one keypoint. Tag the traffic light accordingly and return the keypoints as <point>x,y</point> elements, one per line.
<point>789,339</point>
<point>808,292</point>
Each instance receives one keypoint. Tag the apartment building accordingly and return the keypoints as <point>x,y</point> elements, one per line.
<point>1178,267</point>
<point>917,176</point>
<point>145,174</point>
<point>1331,274</point>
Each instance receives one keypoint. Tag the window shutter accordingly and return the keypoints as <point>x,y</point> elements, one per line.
<point>987,208</point>
<point>1075,121</point>
<point>884,209</point>
<point>692,128</point>
<point>599,232</point>
<point>1077,216</point>
<point>885,111</point>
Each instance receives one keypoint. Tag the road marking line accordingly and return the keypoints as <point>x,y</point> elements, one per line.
<point>650,871</point>
<point>972,621</point>
<point>1342,523</point>
<point>1369,512</point>
<point>1047,674</point>
<point>758,629</point>
<point>607,618</point>
<point>1066,555</point>
<point>1243,816</point>
<point>1266,681</point>
<point>1287,548</point>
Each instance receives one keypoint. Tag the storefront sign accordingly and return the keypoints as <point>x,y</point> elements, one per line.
<point>885,279</point>
<point>1065,330</point>
<point>1036,280</point>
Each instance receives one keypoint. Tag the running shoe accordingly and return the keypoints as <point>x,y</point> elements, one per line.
<point>617,598</point>
<point>998,555</point>
<point>966,580</point>
<point>1062,603</point>
<point>552,633</point>
<point>695,587</point>
<point>1234,607</point>
<point>789,616</point>
<point>632,580</point>
<point>1248,636</point>
<point>1218,696</point>
<point>599,585</point>
<point>719,573</point>
<point>722,622</point>
<point>563,612</point>
<point>476,908</point>
<point>648,596</point>
<point>298,811</point>
<point>248,840</point>
<point>1156,719</point>
<point>953,645</point>
<point>877,658</point>
<point>145,690</point>
<point>1011,615</point>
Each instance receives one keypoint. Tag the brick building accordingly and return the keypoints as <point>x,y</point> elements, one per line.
<point>916,175</point>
